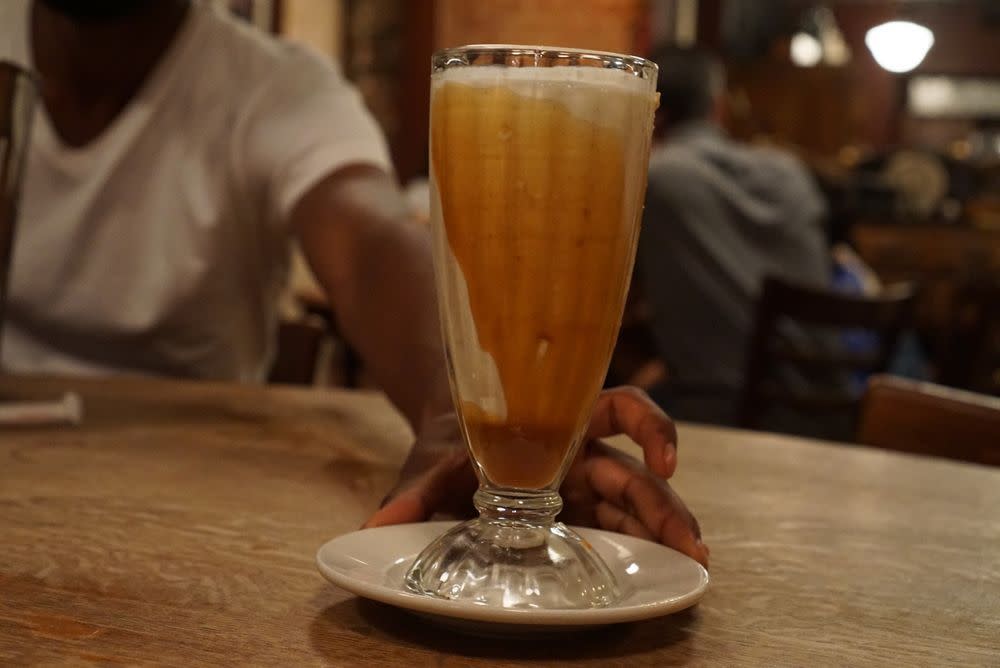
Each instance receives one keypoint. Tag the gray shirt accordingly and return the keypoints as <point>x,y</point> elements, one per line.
<point>719,217</point>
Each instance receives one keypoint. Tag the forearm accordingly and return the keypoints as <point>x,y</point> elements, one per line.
<point>389,313</point>
<point>376,268</point>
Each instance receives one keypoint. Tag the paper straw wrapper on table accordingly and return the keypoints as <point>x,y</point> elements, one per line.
<point>68,410</point>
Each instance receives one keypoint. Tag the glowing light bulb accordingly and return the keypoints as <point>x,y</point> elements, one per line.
<point>805,50</point>
<point>899,46</point>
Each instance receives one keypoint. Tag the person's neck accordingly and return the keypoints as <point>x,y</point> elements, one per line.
<point>689,128</point>
<point>90,70</point>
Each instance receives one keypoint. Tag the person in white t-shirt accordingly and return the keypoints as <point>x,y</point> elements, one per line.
<point>176,154</point>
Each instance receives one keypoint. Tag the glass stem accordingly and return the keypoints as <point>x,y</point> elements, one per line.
<point>534,508</point>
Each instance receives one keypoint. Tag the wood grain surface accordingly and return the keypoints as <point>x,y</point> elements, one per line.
<point>177,526</point>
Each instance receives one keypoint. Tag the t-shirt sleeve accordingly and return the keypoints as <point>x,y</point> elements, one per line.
<point>303,123</point>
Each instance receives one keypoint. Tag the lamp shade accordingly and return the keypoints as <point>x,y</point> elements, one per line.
<point>899,46</point>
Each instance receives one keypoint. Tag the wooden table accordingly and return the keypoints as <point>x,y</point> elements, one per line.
<point>178,525</point>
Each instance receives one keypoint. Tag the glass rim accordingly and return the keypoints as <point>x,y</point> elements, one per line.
<point>542,56</point>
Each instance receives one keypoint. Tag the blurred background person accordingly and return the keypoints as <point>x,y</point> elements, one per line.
<point>719,217</point>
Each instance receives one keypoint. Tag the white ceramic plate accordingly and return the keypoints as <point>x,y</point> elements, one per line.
<point>654,579</point>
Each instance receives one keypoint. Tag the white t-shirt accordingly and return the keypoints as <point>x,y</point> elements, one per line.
<point>162,246</point>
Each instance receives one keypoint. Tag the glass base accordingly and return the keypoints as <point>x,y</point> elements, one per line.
<point>514,556</point>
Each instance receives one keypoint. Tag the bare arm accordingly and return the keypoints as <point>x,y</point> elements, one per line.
<point>375,265</point>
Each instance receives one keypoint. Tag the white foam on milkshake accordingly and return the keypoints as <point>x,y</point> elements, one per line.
<point>584,91</point>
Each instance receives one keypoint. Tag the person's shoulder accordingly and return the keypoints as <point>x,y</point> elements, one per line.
<point>249,57</point>
<point>779,159</point>
<point>670,156</point>
<point>675,167</point>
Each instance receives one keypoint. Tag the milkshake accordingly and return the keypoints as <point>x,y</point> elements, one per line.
<point>538,178</point>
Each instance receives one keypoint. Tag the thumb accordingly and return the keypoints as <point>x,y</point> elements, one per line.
<point>422,497</point>
<point>400,510</point>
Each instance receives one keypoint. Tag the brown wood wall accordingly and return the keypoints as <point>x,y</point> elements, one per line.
<point>605,25</point>
<point>822,109</point>
<point>426,25</point>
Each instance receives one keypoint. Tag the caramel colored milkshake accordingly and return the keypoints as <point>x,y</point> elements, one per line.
<point>538,178</point>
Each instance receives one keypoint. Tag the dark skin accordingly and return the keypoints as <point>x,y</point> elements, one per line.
<point>90,71</point>
<point>375,265</point>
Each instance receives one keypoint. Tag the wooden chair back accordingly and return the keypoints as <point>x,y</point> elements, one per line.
<point>299,345</point>
<point>923,418</point>
<point>782,302</point>
<point>972,359</point>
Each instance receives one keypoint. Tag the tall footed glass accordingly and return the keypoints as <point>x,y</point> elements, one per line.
<point>538,172</point>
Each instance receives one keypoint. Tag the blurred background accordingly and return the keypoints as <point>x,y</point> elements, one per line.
<point>900,128</point>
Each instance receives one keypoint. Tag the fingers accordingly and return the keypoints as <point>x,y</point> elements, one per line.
<point>427,494</point>
<point>612,518</point>
<point>628,410</point>
<point>644,501</point>
<point>401,510</point>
